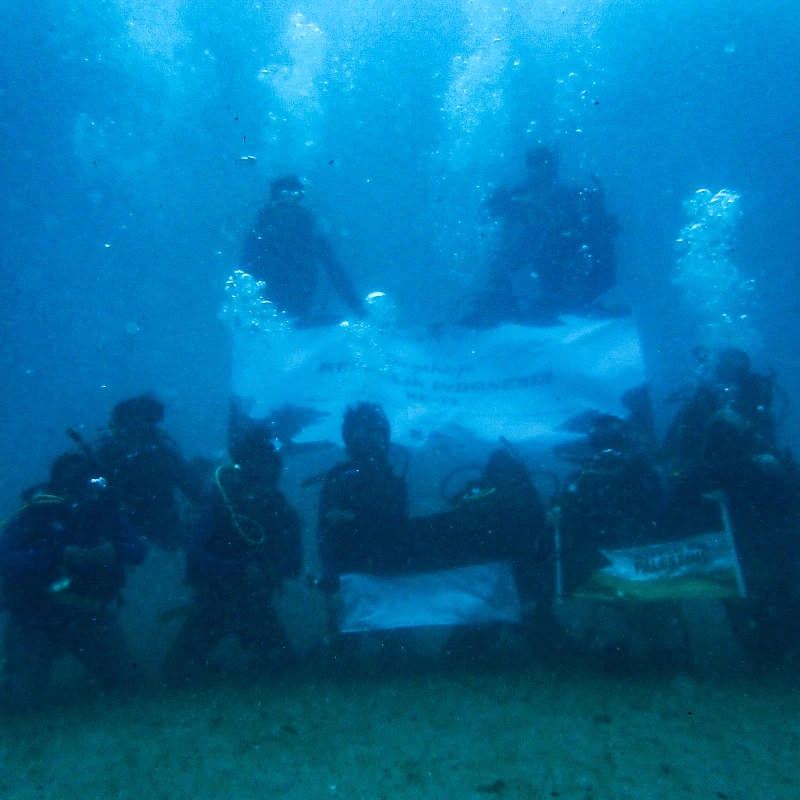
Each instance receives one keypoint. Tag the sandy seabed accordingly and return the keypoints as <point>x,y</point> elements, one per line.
<point>518,733</point>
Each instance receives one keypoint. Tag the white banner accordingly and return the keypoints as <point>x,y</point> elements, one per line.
<point>466,596</point>
<point>516,382</point>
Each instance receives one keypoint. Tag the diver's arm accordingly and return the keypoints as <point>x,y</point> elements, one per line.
<point>188,475</point>
<point>252,253</point>
<point>253,257</point>
<point>16,559</point>
<point>17,562</point>
<point>339,278</point>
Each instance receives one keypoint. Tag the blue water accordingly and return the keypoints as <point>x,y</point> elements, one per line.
<point>125,127</point>
<point>125,200</point>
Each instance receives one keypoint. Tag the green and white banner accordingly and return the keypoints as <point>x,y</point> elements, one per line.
<point>699,566</point>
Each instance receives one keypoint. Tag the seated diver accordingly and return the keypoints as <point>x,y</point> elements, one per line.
<point>246,544</point>
<point>63,557</point>
<point>497,517</point>
<point>555,249</point>
<point>146,470</point>
<point>286,249</point>
<point>363,506</point>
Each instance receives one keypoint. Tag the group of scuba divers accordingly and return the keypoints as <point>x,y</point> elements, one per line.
<point>65,552</point>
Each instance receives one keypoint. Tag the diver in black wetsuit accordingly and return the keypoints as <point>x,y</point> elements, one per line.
<point>246,544</point>
<point>726,423</point>
<point>286,249</point>
<point>63,559</point>
<point>615,500</point>
<point>146,470</point>
<point>555,253</point>
<point>363,507</point>
<point>498,517</point>
<point>724,438</point>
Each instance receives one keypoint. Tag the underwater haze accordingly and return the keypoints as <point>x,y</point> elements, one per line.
<point>124,127</point>
<point>138,140</point>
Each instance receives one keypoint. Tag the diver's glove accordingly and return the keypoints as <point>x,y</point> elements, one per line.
<point>736,421</point>
<point>768,464</point>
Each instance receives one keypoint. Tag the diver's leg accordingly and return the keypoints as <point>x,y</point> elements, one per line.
<point>201,632</point>
<point>261,632</point>
<point>98,642</point>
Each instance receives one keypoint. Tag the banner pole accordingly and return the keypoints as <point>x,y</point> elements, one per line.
<point>555,520</point>
<point>721,499</point>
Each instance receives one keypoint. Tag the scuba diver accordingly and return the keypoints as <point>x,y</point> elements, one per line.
<point>247,543</point>
<point>615,500</point>
<point>497,517</point>
<point>63,556</point>
<point>724,439</point>
<point>555,253</point>
<point>726,422</point>
<point>363,507</point>
<point>286,250</point>
<point>146,470</point>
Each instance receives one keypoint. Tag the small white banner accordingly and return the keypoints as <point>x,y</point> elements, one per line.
<point>465,596</point>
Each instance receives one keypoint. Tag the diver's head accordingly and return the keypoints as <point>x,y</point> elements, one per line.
<point>144,411</point>
<point>542,165</point>
<point>366,432</point>
<point>732,366</point>
<point>609,433</point>
<point>289,188</point>
<point>74,476</point>
<point>255,454</point>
